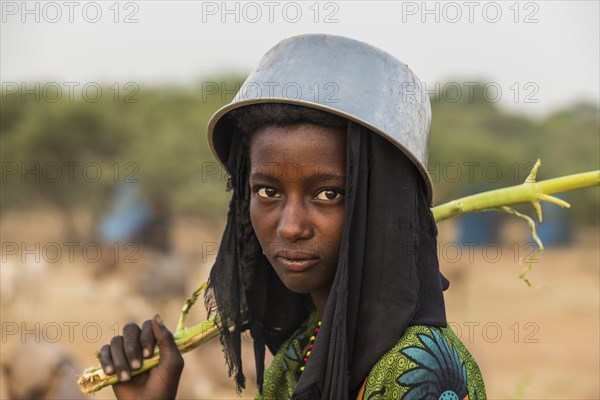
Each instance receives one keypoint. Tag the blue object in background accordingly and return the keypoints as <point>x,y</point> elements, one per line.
<point>480,227</point>
<point>129,212</point>
<point>556,228</point>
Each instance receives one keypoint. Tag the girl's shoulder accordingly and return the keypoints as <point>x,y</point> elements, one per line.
<point>427,362</point>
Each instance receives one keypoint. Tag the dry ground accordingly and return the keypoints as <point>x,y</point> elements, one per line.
<point>531,343</point>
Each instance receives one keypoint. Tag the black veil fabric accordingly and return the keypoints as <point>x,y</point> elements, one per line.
<point>388,274</point>
<point>387,278</point>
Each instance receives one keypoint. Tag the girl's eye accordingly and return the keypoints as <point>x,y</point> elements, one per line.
<point>328,195</point>
<point>267,192</point>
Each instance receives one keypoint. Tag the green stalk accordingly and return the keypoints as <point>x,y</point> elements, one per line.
<point>94,379</point>
<point>528,192</point>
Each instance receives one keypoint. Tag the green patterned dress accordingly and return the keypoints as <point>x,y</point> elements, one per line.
<point>426,363</point>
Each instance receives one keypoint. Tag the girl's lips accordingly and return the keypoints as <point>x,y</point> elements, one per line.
<point>297,264</point>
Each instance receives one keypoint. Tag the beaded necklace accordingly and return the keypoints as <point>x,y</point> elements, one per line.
<point>310,346</point>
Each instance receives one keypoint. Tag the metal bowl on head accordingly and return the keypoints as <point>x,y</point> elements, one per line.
<point>342,76</point>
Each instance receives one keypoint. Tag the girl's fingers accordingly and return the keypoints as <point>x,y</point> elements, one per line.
<point>106,360</point>
<point>147,339</point>
<point>120,362</point>
<point>170,355</point>
<point>133,351</point>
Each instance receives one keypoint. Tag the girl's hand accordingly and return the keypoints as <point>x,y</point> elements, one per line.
<point>125,353</point>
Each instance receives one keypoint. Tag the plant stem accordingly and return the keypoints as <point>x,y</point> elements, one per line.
<point>527,192</point>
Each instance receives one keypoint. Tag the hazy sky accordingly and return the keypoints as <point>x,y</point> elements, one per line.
<point>536,56</point>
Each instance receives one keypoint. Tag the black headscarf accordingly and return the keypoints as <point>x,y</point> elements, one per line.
<point>387,277</point>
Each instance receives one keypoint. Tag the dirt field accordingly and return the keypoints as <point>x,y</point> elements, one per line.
<point>531,343</point>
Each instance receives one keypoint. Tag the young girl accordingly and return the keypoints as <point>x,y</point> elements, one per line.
<point>329,253</point>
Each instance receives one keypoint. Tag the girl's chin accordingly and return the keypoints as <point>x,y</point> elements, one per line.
<point>297,286</point>
<point>304,282</point>
<point>302,285</point>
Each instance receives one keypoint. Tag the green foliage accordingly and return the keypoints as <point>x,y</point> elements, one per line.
<point>160,142</point>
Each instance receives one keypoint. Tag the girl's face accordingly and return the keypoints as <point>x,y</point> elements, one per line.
<point>297,181</point>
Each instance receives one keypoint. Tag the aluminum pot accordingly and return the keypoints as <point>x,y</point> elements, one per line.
<point>342,76</point>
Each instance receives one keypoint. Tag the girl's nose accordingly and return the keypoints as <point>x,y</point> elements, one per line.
<point>294,223</point>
